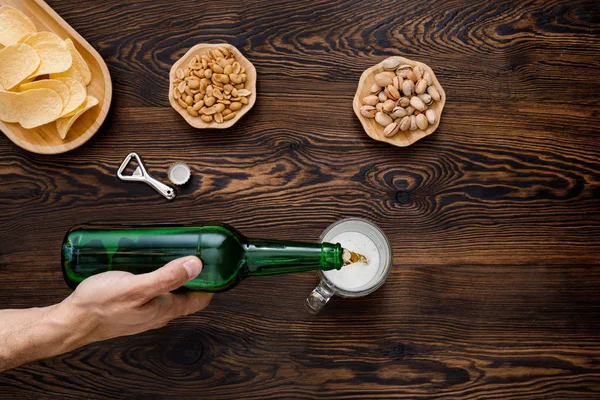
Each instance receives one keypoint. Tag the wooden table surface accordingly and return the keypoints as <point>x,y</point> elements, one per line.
<point>494,219</point>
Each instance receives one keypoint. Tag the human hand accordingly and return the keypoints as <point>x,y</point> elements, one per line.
<point>119,303</point>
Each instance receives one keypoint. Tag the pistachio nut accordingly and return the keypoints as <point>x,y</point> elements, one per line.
<point>427,77</point>
<point>392,92</point>
<point>368,111</point>
<point>379,107</point>
<point>421,86</point>
<point>383,119</point>
<point>413,123</point>
<point>419,71</point>
<point>405,123</point>
<point>383,79</point>
<point>412,76</point>
<point>426,99</point>
<point>399,112</point>
<point>389,105</point>
<point>391,63</point>
<point>397,82</point>
<point>410,110</point>
<point>407,87</point>
<point>391,129</point>
<point>375,88</point>
<point>433,92</point>
<point>404,102</point>
<point>417,103</point>
<point>431,116</point>
<point>370,100</point>
<point>382,96</point>
<point>422,122</point>
<point>402,70</point>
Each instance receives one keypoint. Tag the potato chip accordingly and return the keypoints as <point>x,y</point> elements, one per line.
<point>64,124</point>
<point>17,62</point>
<point>37,107</point>
<point>59,87</point>
<point>79,69</point>
<point>13,25</point>
<point>55,57</point>
<point>77,98</point>
<point>24,38</point>
<point>9,111</point>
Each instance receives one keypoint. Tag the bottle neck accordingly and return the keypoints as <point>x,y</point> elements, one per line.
<point>271,257</point>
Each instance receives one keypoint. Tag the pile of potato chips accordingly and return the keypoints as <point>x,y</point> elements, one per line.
<point>43,78</point>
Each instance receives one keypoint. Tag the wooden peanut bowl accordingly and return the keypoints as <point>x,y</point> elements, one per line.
<point>372,128</point>
<point>184,62</point>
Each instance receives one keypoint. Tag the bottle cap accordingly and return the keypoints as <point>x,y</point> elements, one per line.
<point>179,173</point>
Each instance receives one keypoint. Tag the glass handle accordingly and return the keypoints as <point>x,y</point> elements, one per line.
<point>319,297</point>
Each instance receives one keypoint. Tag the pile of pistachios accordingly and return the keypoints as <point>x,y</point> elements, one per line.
<point>401,98</point>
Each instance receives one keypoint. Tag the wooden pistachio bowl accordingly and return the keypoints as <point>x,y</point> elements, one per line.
<point>202,49</point>
<point>372,128</point>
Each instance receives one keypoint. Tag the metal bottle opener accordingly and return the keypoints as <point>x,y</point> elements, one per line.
<point>140,175</point>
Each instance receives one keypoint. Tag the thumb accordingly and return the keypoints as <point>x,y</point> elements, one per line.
<point>170,277</point>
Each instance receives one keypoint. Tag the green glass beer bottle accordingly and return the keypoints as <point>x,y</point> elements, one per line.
<point>227,256</point>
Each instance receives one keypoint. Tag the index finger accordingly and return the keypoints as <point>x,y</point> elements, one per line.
<point>168,278</point>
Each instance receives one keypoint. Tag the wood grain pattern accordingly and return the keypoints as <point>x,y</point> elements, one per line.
<point>494,219</point>
<point>45,139</point>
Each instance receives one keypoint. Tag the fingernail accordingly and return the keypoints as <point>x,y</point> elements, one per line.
<point>193,266</point>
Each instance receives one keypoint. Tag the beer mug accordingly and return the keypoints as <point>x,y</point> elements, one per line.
<point>359,279</point>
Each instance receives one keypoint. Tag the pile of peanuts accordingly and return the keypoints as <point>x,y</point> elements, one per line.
<point>212,87</point>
